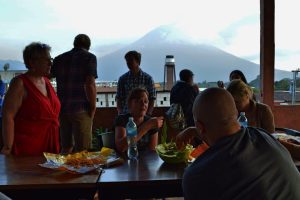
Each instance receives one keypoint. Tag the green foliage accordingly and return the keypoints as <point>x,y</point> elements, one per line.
<point>170,154</point>
<point>256,90</point>
<point>283,84</point>
<point>255,83</point>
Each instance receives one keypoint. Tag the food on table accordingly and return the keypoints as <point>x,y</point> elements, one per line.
<point>169,153</point>
<point>80,162</point>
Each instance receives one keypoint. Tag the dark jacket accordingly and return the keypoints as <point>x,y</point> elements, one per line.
<point>184,94</point>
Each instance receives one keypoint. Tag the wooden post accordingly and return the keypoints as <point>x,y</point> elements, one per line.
<point>267,51</point>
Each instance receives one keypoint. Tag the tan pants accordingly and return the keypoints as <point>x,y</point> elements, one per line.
<point>75,132</point>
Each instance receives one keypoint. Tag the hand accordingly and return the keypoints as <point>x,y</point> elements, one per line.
<point>6,150</point>
<point>289,142</point>
<point>185,137</point>
<point>156,122</point>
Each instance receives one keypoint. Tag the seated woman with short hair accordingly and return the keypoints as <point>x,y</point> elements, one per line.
<point>147,127</point>
<point>258,114</point>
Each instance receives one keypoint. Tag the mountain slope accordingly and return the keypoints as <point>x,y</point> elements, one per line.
<point>207,62</point>
<point>13,65</point>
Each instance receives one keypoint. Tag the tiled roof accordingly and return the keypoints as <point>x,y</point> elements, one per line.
<point>285,96</point>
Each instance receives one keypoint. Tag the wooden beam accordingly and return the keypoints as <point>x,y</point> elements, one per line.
<point>267,51</point>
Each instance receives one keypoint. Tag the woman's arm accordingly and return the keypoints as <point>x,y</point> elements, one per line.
<point>154,122</point>
<point>153,141</point>
<point>120,139</point>
<point>120,133</point>
<point>11,105</point>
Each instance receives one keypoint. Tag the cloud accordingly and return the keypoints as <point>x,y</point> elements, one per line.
<point>232,25</point>
<point>287,59</point>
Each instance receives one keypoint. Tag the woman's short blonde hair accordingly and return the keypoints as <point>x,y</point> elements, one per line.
<point>238,88</point>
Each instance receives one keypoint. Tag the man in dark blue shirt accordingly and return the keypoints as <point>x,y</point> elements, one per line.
<point>184,94</point>
<point>240,163</point>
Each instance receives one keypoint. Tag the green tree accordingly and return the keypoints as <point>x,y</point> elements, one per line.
<point>283,84</point>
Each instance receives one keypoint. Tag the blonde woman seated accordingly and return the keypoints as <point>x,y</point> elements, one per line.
<point>258,114</point>
<point>147,127</point>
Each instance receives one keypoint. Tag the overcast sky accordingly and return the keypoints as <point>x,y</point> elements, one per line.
<point>232,25</point>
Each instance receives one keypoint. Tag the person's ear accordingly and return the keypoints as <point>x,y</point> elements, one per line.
<point>200,127</point>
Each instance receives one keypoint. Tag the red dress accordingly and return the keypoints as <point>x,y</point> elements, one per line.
<point>36,122</point>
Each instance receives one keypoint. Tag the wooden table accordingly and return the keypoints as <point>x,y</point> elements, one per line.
<point>23,178</point>
<point>149,177</point>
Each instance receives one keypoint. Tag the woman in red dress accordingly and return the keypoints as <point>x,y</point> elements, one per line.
<point>31,107</point>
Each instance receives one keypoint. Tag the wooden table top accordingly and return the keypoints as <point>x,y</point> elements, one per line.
<point>19,172</point>
<point>148,177</point>
<point>148,168</point>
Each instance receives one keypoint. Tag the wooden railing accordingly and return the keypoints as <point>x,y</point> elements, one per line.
<point>285,116</point>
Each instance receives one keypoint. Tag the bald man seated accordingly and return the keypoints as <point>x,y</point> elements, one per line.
<point>240,163</point>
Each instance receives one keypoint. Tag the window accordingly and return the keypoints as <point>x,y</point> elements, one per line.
<point>287,53</point>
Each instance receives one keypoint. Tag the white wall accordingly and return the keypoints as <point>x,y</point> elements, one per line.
<point>162,99</point>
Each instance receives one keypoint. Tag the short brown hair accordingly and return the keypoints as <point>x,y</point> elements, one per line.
<point>82,41</point>
<point>133,54</point>
<point>136,93</point>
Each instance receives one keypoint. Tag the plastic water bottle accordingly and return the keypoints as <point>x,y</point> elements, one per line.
<point>131,132</point>
<point>243,120</point>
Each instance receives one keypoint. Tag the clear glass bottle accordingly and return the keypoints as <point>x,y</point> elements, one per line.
<point>131,132</point>
<point>243,120</point>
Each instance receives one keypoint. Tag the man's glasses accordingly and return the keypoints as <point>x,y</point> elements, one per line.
<point>48,60</point>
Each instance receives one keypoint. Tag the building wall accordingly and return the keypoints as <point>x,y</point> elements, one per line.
<point>162,99</point>
<point>106,100</point>
<point>100,101</point>
<point>109,99</point>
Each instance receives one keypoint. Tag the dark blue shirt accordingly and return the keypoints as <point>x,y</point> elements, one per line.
<point>184,94</point>
<point>248,165</point>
